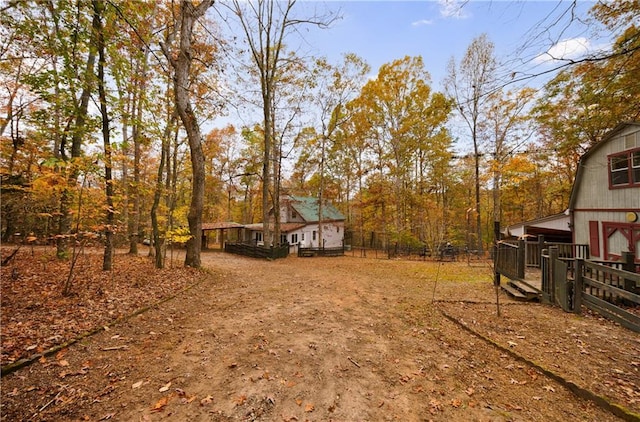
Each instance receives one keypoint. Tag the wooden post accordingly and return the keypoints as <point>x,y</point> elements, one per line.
<point>496,274</point>
<point>577,286</point>
<point>540,249</point>
<point>553,256</point>
<point>521,258</point>
<point>628,259</point>
<point>544,275</point>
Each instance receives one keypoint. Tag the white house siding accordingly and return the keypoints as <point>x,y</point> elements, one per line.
<point>332,233</point>
<point>616,243</point>
<point>594,201</point>
<point>288,214</point>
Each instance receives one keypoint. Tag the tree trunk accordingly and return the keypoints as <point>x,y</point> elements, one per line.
<point>158,240</point>
<point>107,263</point>
<point>182,65</point>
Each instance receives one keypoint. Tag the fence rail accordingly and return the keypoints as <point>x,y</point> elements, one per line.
<point>608,291</point>
<point>565,250</point>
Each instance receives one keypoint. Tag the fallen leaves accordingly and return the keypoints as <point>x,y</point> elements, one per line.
<point>160,404</point>
<point>205,401</point>
<point>38,317</point>
<point>434,406</point>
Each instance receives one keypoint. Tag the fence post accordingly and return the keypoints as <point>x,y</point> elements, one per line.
<point>629,265</point>
<point>577,286</point>
<point>521,258</point>
<point>540,249</point>
<point>553,256</point>
<point>544,274</point>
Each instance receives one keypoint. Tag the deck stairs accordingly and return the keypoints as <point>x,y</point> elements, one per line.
<point>521,290</point>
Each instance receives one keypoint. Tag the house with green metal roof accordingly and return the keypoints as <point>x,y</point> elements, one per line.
<point>304,223</point>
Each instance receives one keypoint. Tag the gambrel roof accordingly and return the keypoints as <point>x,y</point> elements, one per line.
<point>592,151</point>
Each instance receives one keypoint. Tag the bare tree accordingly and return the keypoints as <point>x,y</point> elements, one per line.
<point>468,85</point>
<point>266,24</point>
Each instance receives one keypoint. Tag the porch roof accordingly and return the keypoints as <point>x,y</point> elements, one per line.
<point>222,225</point>
<point>556,224</point>
<point>284,227</point>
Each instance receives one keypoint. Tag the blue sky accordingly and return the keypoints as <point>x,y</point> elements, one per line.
<point>382,31</point>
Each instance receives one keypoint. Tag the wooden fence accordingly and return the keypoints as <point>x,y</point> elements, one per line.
<point>533,251</point>
<point>510,259</point>
<point>609,291</point>
<point>604,288</point>
<point>255,251</point>
<point>306,252</point>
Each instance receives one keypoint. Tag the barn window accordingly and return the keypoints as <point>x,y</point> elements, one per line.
<point>624,169</point>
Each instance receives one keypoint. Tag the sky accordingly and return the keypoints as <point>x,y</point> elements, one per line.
<point>522,31</point>
<point>526,35</point>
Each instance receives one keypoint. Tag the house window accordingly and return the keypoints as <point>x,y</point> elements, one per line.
<point>293,214</point>
<point>314,235</point>
<point>258,236</point>
<point>302,237</point>
<point>294,238</point>
<point>624,169</point>
<point>283,239</point>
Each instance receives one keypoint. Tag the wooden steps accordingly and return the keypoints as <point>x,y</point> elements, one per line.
<point>520,290</point>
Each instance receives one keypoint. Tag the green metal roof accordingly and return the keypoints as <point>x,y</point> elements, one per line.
<point>308,209</point>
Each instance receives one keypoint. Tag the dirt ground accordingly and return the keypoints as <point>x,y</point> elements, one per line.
<point>325,339</point>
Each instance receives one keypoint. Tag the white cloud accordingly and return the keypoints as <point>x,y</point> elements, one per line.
<point>453,9</point>
<point>422,22</point>
<point>569,49</point>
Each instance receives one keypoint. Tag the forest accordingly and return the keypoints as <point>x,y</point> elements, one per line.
<point>104,137</point>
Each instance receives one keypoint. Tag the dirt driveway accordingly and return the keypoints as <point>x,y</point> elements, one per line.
<point>318,339</point>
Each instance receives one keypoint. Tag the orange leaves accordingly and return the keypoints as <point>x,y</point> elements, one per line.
<point>162,403</point>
